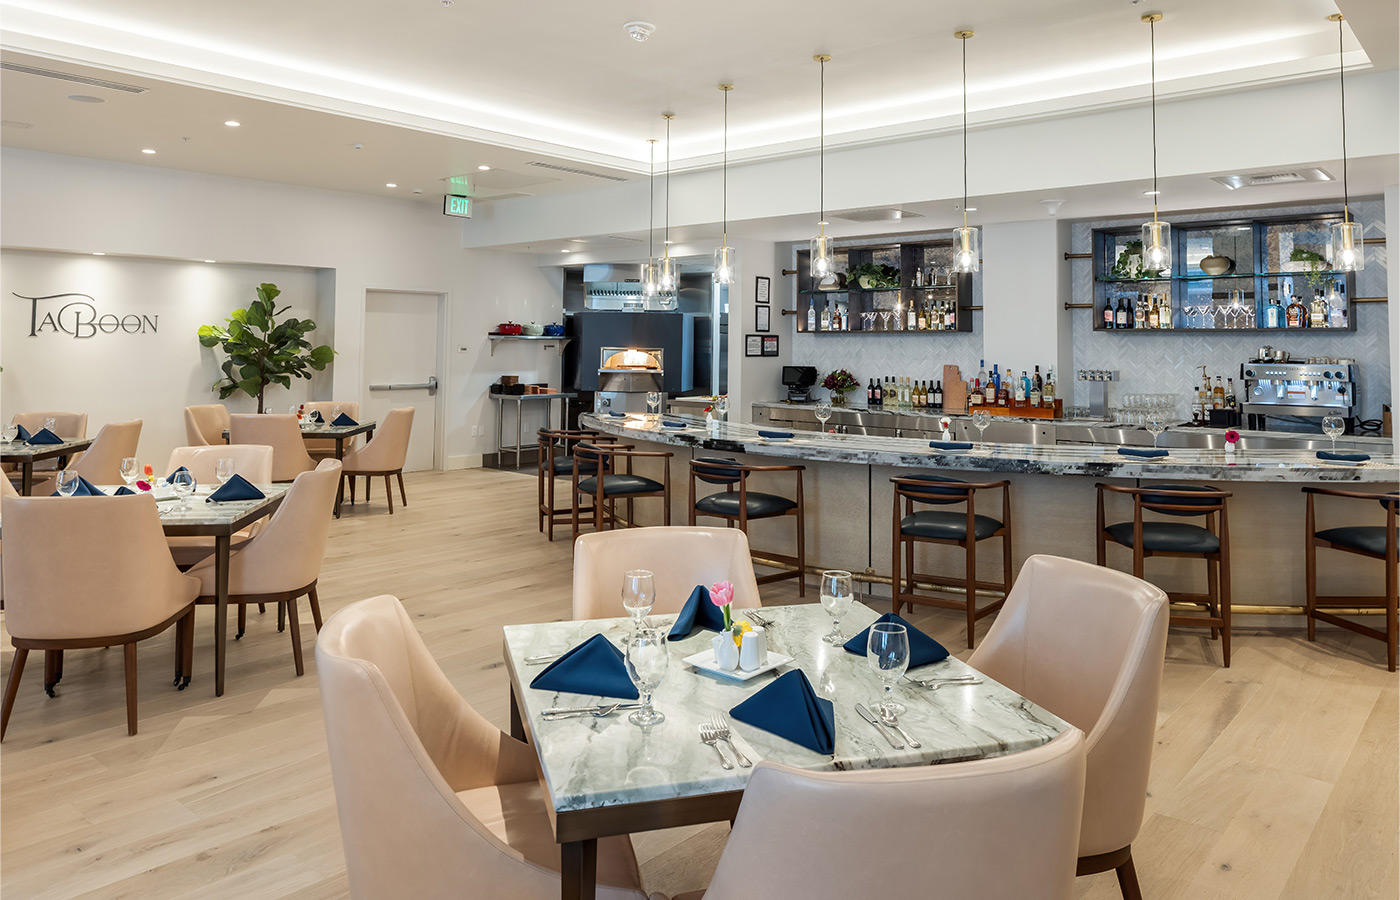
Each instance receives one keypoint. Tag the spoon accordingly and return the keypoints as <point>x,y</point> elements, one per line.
<point>889,718</point>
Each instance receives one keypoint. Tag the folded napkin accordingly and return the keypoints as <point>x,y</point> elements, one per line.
<point>236,488</point>
<point>1343,457</point>
<point>317,417</point>
<point>43,436</point>
<point>85,489</point>
<point>780,435</point>
<point>674,424</point>
<point>790,709</point>
<point>617,415</point>
<point>594,667</point>
<point>344,421</point>
<point>121,491</point>
<point>950,445</point>
<point>1145,452</point>
<point>22,433</point>
<point>922,648</point>
<point>170,479</point>
<point>698,612</point>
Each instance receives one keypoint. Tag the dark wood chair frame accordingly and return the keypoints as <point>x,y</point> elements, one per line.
<point>1216,600</point>
<point>388,486</point>
<point>798,562</point>
<point>604,507</point>
<point>1316,604</point>
<point>183,620</point>
<point>911,490</point>
<point>286,612</point>
<point>555,444</point>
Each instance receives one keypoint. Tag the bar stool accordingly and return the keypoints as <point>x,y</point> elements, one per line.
<point>745,505</point>
<point>554,462</point>
<point>913,527</point>
<point>1179,539</point>
<point>608,485</point>
<point>1370,541</point>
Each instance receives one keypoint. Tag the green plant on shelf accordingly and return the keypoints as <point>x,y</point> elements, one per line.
<point>873,276</point>
<point>1128,266</point>
<point>1317,266</point>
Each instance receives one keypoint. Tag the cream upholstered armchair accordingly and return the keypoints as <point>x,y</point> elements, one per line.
<point>252,461</point>
<point>468,816</point>
<point>323,448</point>
<point>126,589</point>
<point>101,463</point>
<point>6,490</point>
<point>69,425</point>
<point>205,424</point>
<point>385,455</point>
<point>1088,643</point>
<point>994,829</point>
<point>679,556</point>
<point>283,561</point>
<point>282,434</point>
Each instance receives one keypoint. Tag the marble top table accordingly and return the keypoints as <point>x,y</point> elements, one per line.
<point>338,433</point>
<point>27,454</point>
<point>607,776</point>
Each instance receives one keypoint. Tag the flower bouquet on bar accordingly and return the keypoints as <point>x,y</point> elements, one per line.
<point>838,383</point>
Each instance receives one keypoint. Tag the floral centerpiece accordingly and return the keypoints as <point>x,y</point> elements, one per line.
<point>722,595</point>
<point>1231,438</point>
<point>838,383</point>
<point>149,481</point>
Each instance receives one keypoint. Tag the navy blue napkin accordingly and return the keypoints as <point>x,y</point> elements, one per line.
<point>1144,452</point>
<point>43,436</point>
<point>344,421</point>
<point>790,709</point>
<point>22,434</point>
<point>922,648</point>
<point>698,612</point>
<point>674,424</point>
<point>1343,457</point>
<point>617,415</point>
<point>593,667</point>
<point>236,488</point>
<point>317,417</point>
<point>771,435</point>
<point>950,445</point>
<point>121,491</point>
<point>85,489</point>
<point>170,479</point>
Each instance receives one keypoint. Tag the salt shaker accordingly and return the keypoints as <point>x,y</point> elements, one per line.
<point>753,654</point>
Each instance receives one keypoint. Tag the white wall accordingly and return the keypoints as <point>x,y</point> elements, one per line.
<point>756,378</point>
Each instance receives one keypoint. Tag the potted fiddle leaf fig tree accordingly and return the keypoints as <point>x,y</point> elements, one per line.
<point>261,350</point>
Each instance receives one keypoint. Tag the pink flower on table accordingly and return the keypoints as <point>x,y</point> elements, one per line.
<point>143,485</point>
<point>1232,436</point>
<point>721,593</point>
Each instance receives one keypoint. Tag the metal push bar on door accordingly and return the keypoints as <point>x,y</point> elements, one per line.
<point>431,386</point>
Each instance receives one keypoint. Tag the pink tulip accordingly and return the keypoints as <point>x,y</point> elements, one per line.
<point>721,593</point>
<point>143,485</point>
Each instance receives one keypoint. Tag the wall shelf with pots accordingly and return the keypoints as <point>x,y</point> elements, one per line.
<point>879,306</point>
<point>546,339</point>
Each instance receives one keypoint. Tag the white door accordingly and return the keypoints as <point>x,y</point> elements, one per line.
<point>402,352</point>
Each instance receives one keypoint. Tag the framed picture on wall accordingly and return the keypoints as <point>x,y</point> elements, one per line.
<point>753,345</point>
<point>770,345</point>
<point>760,290</point>
<point>760,322</point>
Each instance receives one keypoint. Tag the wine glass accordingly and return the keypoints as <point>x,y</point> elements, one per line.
<point>887,654</point>
<point>653,402</point>
<point>837,596</point>
<point>980,420</point>
<point>68,482</point>
<point>224,470</point>
<point>10,432</point>
<point>722,407</point>
<point>183,483</point>
<point>50,423</point>
<point>823,413</point>
<point>130,470</point>
<point>1155,425</point>
<point>638,595</point>
<point>292,410</point>
<point>335,413</point>
<point>1333,427</point>
<point>647,658</point>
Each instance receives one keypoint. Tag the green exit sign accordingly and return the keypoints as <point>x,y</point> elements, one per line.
<point>457,205</point>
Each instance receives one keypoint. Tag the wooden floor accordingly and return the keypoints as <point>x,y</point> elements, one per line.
<point>1273,779</point>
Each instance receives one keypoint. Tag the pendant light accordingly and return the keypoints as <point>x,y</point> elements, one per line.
<point>1346,247</point>
<point>667,280</point>
<point>967,250</point>
<point>1156,235</point>
<point>823,259</point>
<point>649,271</point>
<point>725,256</point>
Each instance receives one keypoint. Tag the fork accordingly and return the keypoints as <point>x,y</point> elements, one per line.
<point>757,619</point>
<point>720,726</point>
<point>708,736</point>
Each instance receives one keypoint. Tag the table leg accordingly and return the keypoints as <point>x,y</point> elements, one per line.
<point>26,476</point>
<point>340,482</point>
<point>517,727</point>
<point>519,410</point>
<point>579,869</point>
<point>500,433</point>
<point>221,553</point>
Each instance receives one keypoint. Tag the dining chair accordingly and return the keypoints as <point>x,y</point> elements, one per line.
<point>205,424</point>
<point>611,484</point>
<point>90,572</point>
<point>6,490</point>
<point>1088,644</point>
<point>282,434</point>
<point>101,463</point>
<point>467,812</point>
<point>68,425</point>
<point>996,829</point>
<point>679,557</point>
<point>283,560</point>
<point>324,448</point>
<point>745,505</point>
<point>1368,542</point>
<point>252,461</point>
<point>385,454</point>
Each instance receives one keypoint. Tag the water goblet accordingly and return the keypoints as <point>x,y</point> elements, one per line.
<point>837,595</point>
<point>980,420</point>
<point>653,402</point>
<point>293,410</point>
<point>10,432</point>
<point>647,658</point>
<point>823,413</point>
<point>50,423</point>
<point>335,413</point>
<point>130,470</point>
<point>1333,427</point>
<point>68,482</point>
<point>638,595</point>
<point>224,470</point>
<point>1156,424</point>
<point>722,407</point>
<point>887,653</point>
<point>183,483</point>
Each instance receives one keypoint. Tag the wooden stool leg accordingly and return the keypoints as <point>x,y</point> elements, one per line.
<point>1212,604</point>
<point>352,487</point>
<point>281,618</point>
<point>187,656</point>
<point>1225,601</point>
<point>801,554</point>
<point>1127,880</point>
<point>403,495</point>
<point>1310,570</point>
<point>1391,612</point>
<point>971,593</point>
<point>389,493</point>
<point>291,605</point>
<point>369,480</point>
<point>12,687</point>
<point>50,662</point>
<point>130,667</point>
<point>242,620</point>
<point>315,607</point>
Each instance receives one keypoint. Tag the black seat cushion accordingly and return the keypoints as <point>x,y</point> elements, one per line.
<point>1150,499</point>
<point>947,526</point>
<point>1167,537</point>
<point>614,485</point>
<point>933,493</point>
<point>759,505</point>
<point>1365,538</point>
<point>564,465</point>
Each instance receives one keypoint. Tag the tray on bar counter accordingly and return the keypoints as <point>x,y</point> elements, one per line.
<point>1023,410</point>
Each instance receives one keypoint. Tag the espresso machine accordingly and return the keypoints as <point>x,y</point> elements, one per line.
<point>1308,390</point>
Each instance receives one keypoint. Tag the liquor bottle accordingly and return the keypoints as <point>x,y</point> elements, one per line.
<point>1140,314</point>
<point>1230,394</point>
<point>1166,313</point>
<point>1217,400</point>
<point>937,396</point>
<point>1109,320</point>
<point>923,318</point>
<point>1272,314</point>
<point>1296,315</point>
<point>1337,314</point>
<point>1020,393</point>
<point>981,372</point>
<point>1036,381</point>
<point>811,315</point>
<point>1121,317</point>
<point>905,393</point>
<point>1318,313</point>
<point>950,316</point>
<point>1047,396</point>
<point>990,387</point>
<point>1004,393</point>
<point>1153,320</point>
<point>1035,395</point>
<point>826,316</point>
<point>918,277</point>
<point>913,320</point>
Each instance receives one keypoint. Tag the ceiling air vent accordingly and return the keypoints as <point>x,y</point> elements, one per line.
<point>76,79</point>
<point>571,171</point>
<point>876,214</point>
<point>1265,179</point>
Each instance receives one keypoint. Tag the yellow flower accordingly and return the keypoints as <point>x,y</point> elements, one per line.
<point>738,631</point>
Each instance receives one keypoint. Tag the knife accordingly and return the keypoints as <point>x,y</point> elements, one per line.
<point>869,716</point>
<point>585,710</point>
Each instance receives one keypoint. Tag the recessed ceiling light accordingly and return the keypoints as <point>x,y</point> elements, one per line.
<point>98,253</point>
<point>1150,193</point>
<point>148,151</point>
<point>566,251</point>
<point>85,98</point>
<point>639,31</point>
<point>390,184</point>
<point>232,124</point>
<point>211,260</point>
<point>483,168</point>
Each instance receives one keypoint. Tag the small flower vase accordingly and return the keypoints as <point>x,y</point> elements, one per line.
<point>726,651</point>
<point>1230,451</point>
<point>838,399</point>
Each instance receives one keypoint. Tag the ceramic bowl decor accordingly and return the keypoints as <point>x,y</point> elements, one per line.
<point>508,328</point>
<point>1217,265</point>
<point>532,330</point>
<point>554,330</point>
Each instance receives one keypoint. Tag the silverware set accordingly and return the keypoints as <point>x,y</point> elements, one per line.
<point>716,732</point>
<point>951,681</point>
<point>869,716</point>
<point>541,660</point>
<point>599,711</point>
<point>758,619</point>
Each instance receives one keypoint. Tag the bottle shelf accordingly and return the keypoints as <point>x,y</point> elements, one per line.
<point>1289,331</point>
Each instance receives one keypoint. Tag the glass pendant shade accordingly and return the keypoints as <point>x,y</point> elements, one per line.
<point>649,279</point>
<point>1346,247</point>
<point>726,257</point>
<point>1156,246</point>
<point>823,260</point>
<point>967,249</point>
<point>667,279</point>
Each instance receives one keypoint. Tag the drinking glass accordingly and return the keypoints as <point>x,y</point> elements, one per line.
<point>980,420</point>
<point>823,413</point>
<point>885,319</point>
<point>292,410</point>
<point>10,432</point>
<point>868,318</point>
<point>1333,427</point>
<point>335,414</point>
<point>50,423</point>
<point>647,658</point>
<point>722,407</point>
<point>653,402</point>
<point>68,482</point>
<point>130,470</point>
<point>1155,426</point>
<point>183,483</point>
<point>638,595</point>
<point>224,471</point>
<point>837,596</point>
<point>887,653</point>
